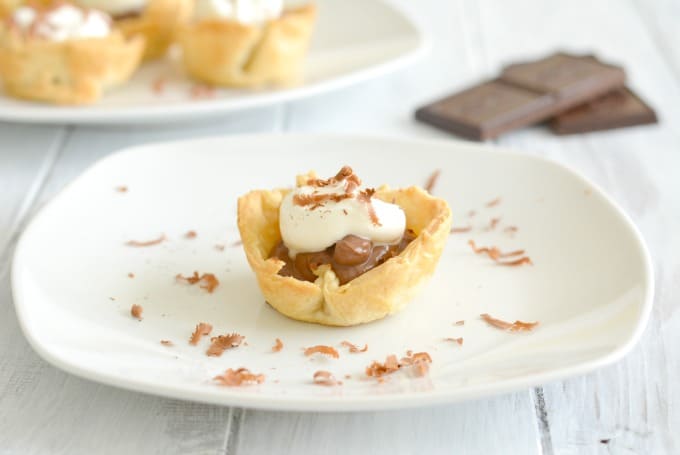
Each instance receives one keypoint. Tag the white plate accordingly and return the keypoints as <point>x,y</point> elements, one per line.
<point>353,40</point>
<point>590,288</point>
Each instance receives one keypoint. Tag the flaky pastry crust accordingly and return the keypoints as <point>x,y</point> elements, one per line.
<point>68,72</point>
<point>157,23</point>
<point>377,293</point>
<point>227,53</point>
<point>7,6</point>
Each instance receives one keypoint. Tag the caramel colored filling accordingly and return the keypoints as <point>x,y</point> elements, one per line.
<point>349,258</point>
<point>132,14</point>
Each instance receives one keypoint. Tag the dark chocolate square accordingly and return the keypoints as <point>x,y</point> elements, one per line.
<point>525,94</point>
<point>572,79</point>
<point>616,109</point>
<point>483,111</point>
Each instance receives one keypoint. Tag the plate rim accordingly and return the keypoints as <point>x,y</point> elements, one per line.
<point>338,404</point>
<point>38,113</point>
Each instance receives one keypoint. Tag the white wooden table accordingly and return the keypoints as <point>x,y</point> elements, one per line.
<point>630,407</point>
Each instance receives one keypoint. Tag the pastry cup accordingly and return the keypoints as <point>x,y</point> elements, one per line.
<point>67,72</point>
<point>227,53</point>
<point>377,293</point>
<point>157,23</point>
<point>7,6</point>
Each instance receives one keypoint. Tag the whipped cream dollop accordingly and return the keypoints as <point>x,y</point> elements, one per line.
<point>317,215</point>
<point>114,7</point>
<point>243,11</point>
<point>61,23</point>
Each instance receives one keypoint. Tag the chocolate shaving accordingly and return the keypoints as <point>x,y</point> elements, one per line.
<point>317,200</point>
<point>278,346</point>
<point>517,262</point>
<point>420,369</point>
<point>325,378</point>
<point>235,378</point>
<point>461,322</point>
<point>210,282</point>
<point>494,202</point>
<point>416,357</point>
<point>419,363</point>
<point>377,369</point>
<point>143,243</point>
<point>496,254</point>
<point>517,326</point>
<point>365,197</point>
<point>493,223</point>
<point>432,181</point>
<point>131,275</point>
<point>342,174</point>
<point>352,183</point>
<point>207,281</point>
<point>510,229</point>
<point>345,173</point>
<point>493,252</point>
<point>190,235</point>
<point>512,253</point>
<point>167,343</point>
<point>221,343</point>
<point>321,349</point>
<point>202,91</point>
<point>455,340</point>
<point>460,230</point>
<point>121,189</point>
<point>158,85</point>
<point>136,311</point>
<point>203,328</point>
<point>219,247</point>
<point>471,213</point>
<point>353,348</point>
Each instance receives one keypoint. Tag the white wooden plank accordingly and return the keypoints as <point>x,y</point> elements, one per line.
<point>631,407</point>
<point>385,106</point>
<point>661,17</point>
<point>26,155</point>
<point>481,427</point>
<point>47,411</point>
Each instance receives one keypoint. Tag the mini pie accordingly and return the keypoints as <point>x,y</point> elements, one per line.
<point>74,71</point>
<point>231,54</point>
<point>7,6</point>
<point>157,23</point>
<point>373,295</point>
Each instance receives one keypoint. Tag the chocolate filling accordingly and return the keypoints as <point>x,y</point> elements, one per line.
<point>132,14</point>
<point>350,257</point>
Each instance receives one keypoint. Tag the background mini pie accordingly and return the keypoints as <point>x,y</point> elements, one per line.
<point>7,6</point>
<point>157,23</point>
<point>375,294</point>
<point>228,53</point>
<point>71,71</point>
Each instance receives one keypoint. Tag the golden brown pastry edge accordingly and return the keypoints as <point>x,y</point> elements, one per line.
<point>379,292</point>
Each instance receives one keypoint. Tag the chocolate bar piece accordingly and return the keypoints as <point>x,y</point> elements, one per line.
<point>616,109</point>
<point>524,94</point>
